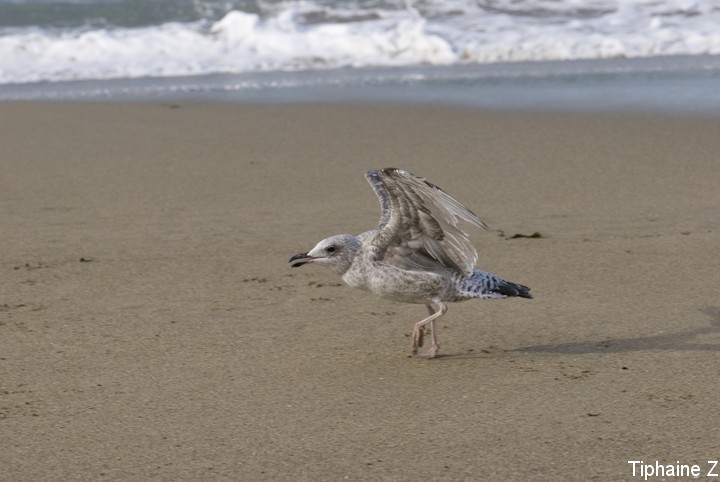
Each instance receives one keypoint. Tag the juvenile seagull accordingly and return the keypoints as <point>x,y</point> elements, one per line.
<point>416,254</point>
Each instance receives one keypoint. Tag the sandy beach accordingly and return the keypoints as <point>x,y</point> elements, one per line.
<point>151,328</point>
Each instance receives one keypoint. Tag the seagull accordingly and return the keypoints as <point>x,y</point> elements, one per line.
<point>416,254</point>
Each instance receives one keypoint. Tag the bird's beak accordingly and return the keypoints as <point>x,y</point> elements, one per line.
<point>300,259</point>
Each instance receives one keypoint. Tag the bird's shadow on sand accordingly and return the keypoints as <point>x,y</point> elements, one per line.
<point>674,341</point>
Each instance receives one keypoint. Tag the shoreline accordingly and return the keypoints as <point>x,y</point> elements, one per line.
<point>150,326</point>
<point>672,85</point>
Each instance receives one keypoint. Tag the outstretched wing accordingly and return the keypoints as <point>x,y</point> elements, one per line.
<point>418,219</point>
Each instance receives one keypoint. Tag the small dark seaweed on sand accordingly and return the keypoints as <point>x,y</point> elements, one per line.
<point>533,235</point>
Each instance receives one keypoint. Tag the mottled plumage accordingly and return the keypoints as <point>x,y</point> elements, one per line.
<point>417,254</point>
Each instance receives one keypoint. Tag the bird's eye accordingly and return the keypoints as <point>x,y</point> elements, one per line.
<point>330,249</point>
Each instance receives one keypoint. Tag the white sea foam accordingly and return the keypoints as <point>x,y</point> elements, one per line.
<point>307,35</point>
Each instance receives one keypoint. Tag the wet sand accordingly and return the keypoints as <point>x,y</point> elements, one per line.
<point>151,329</point>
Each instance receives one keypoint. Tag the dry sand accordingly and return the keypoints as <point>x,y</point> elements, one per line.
<point>151,329</point>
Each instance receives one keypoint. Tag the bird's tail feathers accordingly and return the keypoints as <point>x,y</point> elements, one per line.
<point>482,284</point>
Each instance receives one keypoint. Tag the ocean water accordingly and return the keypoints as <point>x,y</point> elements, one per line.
<point>279,49</point>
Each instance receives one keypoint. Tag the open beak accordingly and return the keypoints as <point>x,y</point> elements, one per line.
<point>300,259</point>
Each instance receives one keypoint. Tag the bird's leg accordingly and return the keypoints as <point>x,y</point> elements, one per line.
<point>420,327</point>
<point>419,331</point>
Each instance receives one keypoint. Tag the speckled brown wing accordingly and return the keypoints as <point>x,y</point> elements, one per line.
<point>419,219</point>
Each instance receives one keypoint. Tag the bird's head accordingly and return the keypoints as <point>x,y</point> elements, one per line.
<point>336,252</point>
